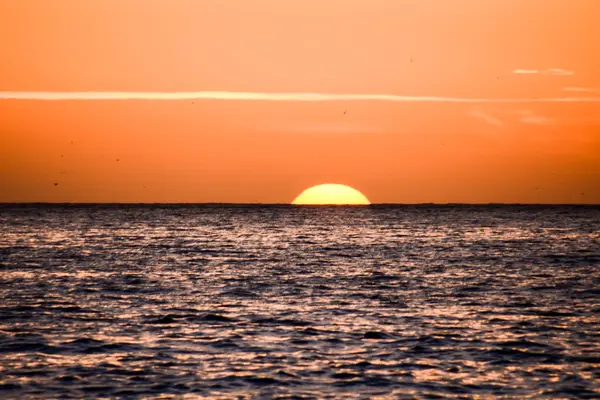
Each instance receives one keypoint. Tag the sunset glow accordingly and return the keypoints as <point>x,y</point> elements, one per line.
<point>235,101</point>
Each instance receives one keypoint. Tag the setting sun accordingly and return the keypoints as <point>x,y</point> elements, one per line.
<point>331,193</point>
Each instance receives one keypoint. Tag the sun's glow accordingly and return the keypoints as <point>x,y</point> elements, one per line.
<point>331,193</point>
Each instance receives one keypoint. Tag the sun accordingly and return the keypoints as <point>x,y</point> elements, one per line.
<point>331,193</point>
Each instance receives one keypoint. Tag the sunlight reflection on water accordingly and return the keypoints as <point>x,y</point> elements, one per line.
<point>380,302</point>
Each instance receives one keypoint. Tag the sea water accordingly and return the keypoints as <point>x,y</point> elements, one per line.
<point>217,301</point>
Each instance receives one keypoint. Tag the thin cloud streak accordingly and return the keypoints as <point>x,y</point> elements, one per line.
<point>550,71</point>
<point>530,117</point>
<point>261,96</point>
<point>490,119</point>
<point>526,71</point>
<point>559,71</point>
<point>537,120</point>
<point>580,89</point>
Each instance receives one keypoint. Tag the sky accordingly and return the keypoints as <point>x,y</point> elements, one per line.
<point>253,101</point>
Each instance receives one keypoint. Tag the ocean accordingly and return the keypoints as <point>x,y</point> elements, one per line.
<point>299,302</point>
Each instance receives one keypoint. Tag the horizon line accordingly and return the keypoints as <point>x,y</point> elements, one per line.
<point>275,96</point>
<point>290,204</point>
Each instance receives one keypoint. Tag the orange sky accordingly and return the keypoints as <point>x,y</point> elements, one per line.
<point>208,150</point>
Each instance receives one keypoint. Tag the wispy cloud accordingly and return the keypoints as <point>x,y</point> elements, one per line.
<point>549,71</point>
<point>526,71</point>
<point>531,118</point>
<point>262,96</point>
<point>580,89</point>
<point>486,117</point>
<point>559,71</point>
<point>537,120</point>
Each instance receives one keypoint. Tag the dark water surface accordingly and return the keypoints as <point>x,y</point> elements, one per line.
<point>299,302</point>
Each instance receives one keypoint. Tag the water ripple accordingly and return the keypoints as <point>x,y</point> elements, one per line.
<point>286,302</point>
